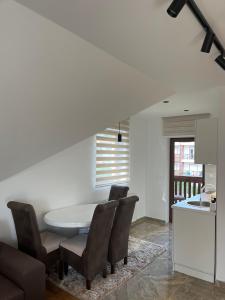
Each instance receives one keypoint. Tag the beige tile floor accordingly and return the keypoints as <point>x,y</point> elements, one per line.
<point>158,281</point>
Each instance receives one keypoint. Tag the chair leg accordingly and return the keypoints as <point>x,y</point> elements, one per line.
<point>66,267</point>
<point>88,284</point>
<point>60,270</point>
<point>125,260</point>
<point>112,269</point>
<point>104,272</point>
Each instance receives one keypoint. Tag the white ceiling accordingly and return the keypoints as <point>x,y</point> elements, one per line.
<point>56,89</point>
<point>141,34</point>
<point>207,101</point>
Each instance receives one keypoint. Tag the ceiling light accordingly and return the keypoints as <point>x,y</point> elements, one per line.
<point>175,7</point>
<point>220,60</point>
<point>208,41</point>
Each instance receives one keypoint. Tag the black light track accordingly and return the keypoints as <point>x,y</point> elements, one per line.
<point>175,7</point>
<point>211,38</point>
<point>220,61</point>
<point>202,20</point>
<point>208,41</point>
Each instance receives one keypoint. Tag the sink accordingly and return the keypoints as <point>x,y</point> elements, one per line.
<point>199,203</point>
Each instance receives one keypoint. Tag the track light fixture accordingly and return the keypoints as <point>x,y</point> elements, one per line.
<point>208,41</point>
<point>220,60</point>
<point>210,38</point>
<point>176,7</point>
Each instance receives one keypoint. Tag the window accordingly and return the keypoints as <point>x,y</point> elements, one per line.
<point>177,150</point>
<point>112,157</point>
<point>184,161</point>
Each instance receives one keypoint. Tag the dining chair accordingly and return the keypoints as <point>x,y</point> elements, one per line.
<point>117,192</point>
<point>118,244</point>
<point>88,253</point>
<point>43,246</point>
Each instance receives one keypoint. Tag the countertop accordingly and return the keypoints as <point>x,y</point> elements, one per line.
<point>184,205</point>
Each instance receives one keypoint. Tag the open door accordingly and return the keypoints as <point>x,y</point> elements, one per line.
<point>186,177</point>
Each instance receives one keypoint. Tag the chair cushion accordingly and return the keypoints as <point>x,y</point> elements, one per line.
<point>76,245</point>
<point>51,241</point>
<point>9,291</point>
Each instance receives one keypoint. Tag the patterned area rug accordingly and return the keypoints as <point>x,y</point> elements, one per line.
<point>141,253</point>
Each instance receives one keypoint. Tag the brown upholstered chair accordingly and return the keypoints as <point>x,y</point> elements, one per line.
<point>117,192</point>
<point>21,277</point>
<point>43,246</point>
<point>88,253</point>
<point>118,244</point>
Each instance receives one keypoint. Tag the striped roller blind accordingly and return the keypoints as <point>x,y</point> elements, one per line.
<point>181,125</point>
<point>112,157</point>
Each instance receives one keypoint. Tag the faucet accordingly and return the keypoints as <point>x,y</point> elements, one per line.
<point>202,191</point>
<point>208,189</point>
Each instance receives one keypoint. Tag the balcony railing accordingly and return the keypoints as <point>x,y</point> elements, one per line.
<point>187,186</point>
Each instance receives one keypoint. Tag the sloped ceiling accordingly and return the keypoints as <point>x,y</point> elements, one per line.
<point>140,33</point>
<point>57,89</point>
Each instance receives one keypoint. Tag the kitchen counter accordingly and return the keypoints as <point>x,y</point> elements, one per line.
<point>194,240</point>
<point>185,205</point>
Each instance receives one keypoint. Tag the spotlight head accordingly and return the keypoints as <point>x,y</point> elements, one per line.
<point>220,60</point>
<point>208,41</point>
<point>119,138</point>
<point>175,7</point>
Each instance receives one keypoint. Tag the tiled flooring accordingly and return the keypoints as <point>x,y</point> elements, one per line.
<point>158,281</point>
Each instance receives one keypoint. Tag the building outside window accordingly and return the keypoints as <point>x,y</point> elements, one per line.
<point>184,160</point>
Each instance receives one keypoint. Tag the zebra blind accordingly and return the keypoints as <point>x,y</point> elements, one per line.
<point>181,125</point>
<point>112,157</point>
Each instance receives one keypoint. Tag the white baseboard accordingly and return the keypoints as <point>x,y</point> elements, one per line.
<point>194,273</point>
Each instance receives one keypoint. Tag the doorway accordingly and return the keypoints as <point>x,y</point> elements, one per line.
<point>186,177</point>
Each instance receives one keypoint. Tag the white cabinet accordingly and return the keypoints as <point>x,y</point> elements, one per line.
<point>206,141</point>
<point>194,243</point>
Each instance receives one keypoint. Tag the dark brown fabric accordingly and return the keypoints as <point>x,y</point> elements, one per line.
<point>9,291</point>
<point>117,192</point>
<point>25,272</point>
<point>94,258</point>
<point>118,245</point>
<point>28,235</point>
<point>52,258</point>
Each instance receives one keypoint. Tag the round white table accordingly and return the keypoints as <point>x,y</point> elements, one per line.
<point>76,216</point>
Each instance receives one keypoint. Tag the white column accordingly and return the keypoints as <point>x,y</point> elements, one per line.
<point>220,266</point>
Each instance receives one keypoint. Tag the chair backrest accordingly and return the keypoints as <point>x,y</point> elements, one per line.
<point>118,245</point>
<point>117,192</point>
<point>95,254</point>
<point>28,236</point>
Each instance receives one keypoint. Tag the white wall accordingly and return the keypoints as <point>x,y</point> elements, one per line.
<point>61,180</point>
<point>69,178</point>
<point>57,89</point>
<point>138,174</point>
<point>220,272</point>
<point>157,185</point>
